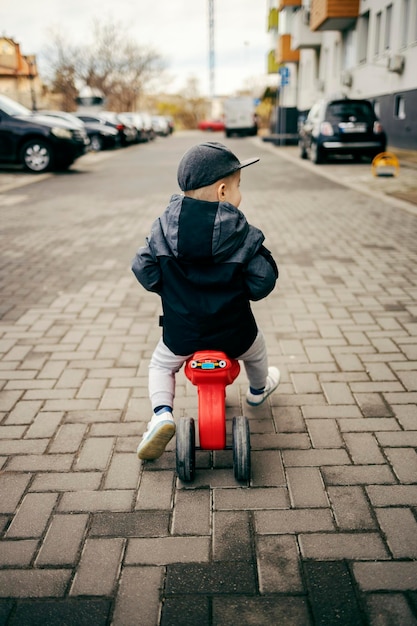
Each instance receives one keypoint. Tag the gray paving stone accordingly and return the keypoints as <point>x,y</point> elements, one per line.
<point>340,546</point>
<point>33,583</point>
<point>389,608</point>
<point>293,521</point>
<point>363,448</point>
<point>283,610</point>
<point>167,550</point>
<point>155,491</point>
<point>386,575</point>
<point>130,524</point>
<point>188,610</point>
<point>33,515</point>
<point>306,488</point>
<point>98,568</point>
<point>63,540</point>
<point>12,488</point>
<point>72,612</point>
<point>138,597</point>
<point>210,578</point>
<point>351,508</point>
<point>86,500</point>
<point>192,512</point>
<point>95,453</point>
<point>231,536</point>
<point>278,564</point>
<point>332,594</point>
<point>17,553</point>
<point>400,528</point>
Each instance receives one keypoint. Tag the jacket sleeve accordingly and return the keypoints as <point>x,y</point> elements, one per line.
<point>260,274</point>
<point>146,268</point>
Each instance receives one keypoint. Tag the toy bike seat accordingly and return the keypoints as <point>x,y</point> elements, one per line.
<point>211,372</point>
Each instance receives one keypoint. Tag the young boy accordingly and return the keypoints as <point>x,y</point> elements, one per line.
<point>206,263</point>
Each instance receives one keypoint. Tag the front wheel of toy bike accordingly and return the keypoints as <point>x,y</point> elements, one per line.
<point>185,449</point>
<point>241,448</point>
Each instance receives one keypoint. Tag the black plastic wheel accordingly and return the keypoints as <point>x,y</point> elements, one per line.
<point>241,448</point>
<point>185,449</point>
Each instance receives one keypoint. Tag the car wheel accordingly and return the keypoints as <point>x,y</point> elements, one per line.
<point>96,143</point>
<point>303,152</point>
<point>37,156</point>
<point>316,155</point>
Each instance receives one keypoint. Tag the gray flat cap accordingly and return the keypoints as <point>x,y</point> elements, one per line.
<point>206,163</point>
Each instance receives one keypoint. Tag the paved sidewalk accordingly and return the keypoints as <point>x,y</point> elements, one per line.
<point>326,533</point>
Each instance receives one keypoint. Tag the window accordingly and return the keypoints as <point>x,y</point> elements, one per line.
<point>336,59</point>
<point>399,107</point>
<point>405,21</point>
<point>348,49</point>
<point>414,20</point>
<point>378,24</point>
<point>363,37</point>
<point>388,21</point>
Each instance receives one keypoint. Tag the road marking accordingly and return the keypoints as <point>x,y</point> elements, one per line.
<point>14,181</point>
<point>10,200</point>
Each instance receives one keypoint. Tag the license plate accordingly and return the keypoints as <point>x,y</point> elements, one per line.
<point>352,127</point>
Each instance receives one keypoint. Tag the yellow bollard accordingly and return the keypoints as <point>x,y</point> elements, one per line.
<point>385,164</point>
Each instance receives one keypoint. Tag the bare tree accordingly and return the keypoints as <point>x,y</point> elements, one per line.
<point>194,106</point>
<point>62,61</point>
<point>118,66</point>
<point>113,63</point>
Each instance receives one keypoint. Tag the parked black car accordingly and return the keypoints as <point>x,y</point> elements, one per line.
<point>35,141</point>
<point>127,132</point>
<point>101,136</point>
<point>342,127</point>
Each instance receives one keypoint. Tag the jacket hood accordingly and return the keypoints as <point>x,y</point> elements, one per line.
<point>198,231</point>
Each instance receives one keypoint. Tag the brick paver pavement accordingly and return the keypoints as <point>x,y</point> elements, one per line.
<point>327,531</point>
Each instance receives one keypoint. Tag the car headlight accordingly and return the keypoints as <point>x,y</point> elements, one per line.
<point>62,133</point>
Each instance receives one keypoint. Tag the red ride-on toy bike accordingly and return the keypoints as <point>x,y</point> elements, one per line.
<point>211,372</point>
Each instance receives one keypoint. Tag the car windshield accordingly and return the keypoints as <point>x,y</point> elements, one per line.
<point>12,108</point>
<point>346,111</point>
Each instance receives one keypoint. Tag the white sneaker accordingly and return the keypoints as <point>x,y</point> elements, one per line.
<point>159,432</point>
<point>272,382</point>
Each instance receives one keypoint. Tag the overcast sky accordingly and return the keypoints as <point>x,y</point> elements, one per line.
<point>176,29</point>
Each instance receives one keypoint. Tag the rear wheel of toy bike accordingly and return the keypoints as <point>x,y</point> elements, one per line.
<point>241,448</point>
<point>185,449</point>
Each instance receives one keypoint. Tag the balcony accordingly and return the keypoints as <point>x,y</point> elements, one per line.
<point>285,54</point>
<point>302,35</point>
<point>272,62</point>
<point>333,14</point>
<point>282,4</point>
<point>273,20</point>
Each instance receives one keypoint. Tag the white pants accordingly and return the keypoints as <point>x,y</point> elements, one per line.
<point>165,364</point>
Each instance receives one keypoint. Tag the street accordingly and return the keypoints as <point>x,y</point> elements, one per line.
<point>326,532</point>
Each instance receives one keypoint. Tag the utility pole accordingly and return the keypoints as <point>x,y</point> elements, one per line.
<point>211,48</point>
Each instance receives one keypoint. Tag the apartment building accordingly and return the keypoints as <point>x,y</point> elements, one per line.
<point>353,48</point>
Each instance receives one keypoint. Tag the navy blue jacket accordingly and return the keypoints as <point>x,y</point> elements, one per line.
<point>207,263</point>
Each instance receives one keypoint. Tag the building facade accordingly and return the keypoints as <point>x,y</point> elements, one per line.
<point>19,78</point>
<point>353,48</point>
